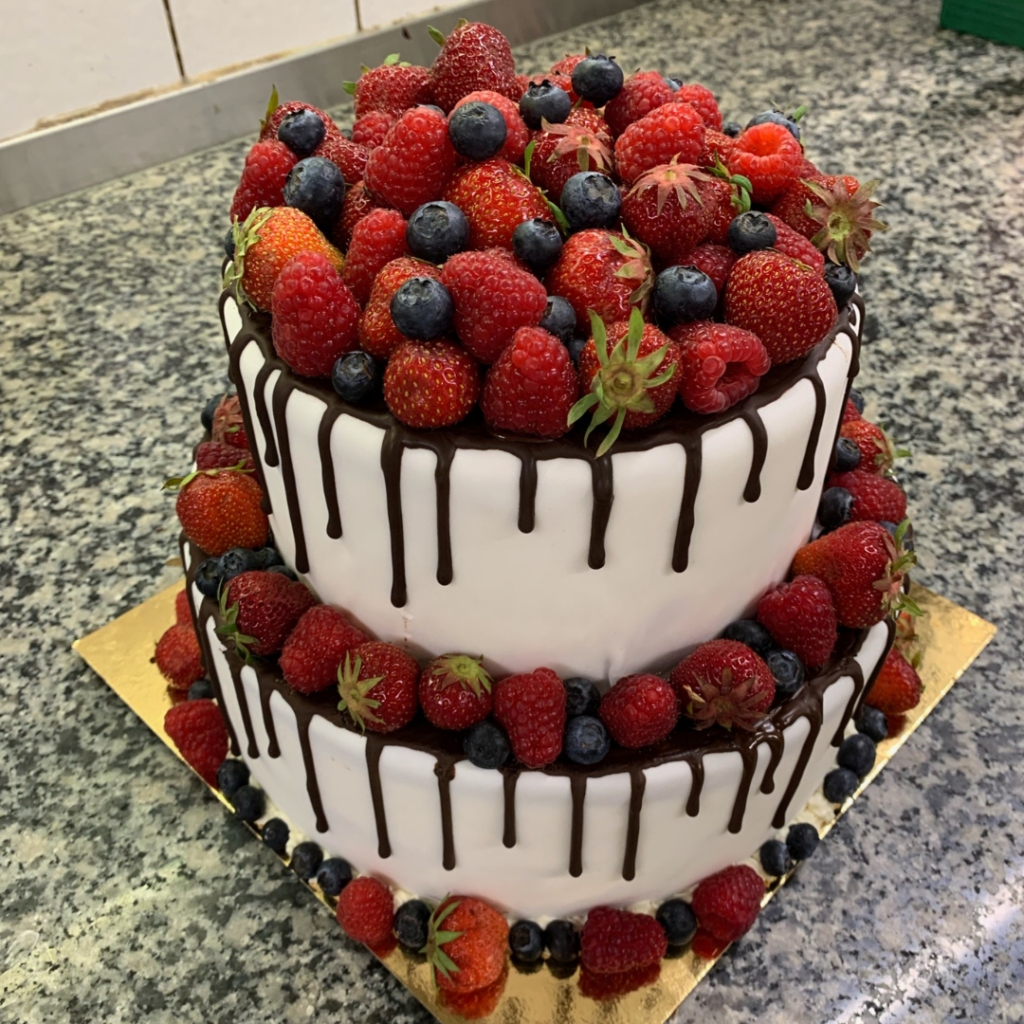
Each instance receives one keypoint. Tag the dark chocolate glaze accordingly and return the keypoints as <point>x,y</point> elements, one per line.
<point>291,488</point>
<point>444,769</point>
<point>806,477</point>
<point>510,776</point>
<point>273,749</point>
<point>259,394</point>
<point>374,747</point>
<point>527,494</point>
<point>391,466</point>
<point>694,449</point>
<point>323,441</point>
<point>637,784</point>
<point>752,418</point>
<point>696,787</point>
<point>235,667</point>
<point>601,475</point>
<point>578,791</point>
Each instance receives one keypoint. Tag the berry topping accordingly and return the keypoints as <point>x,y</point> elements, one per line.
<point>582,697</point>
<point>670,208</point>
<point>727,903</point>
<point>677,919</point>
<point>316,647</point>
<point>591,200</point>
<point>616,940</point>
<point>896,689</point>
<point>769,157</point>
<point>586,740</point>
<point>356,376</point>
<point>392,88</point>
<point>544,101</point>
<point>436,231</point>
<point>846,217</point>
<point>531,708</point>
<point>640,710</point>
<point>703,101</point>
<point>486,745</point>
<point>317,188</point>
<point>477,130</point>
<point>178,656</point>
<point>672,130</point>
<point>857,754</point>
<point>682,294</point>
<point>597,79</point>
<point>751,231</point>
<point>843,282</point>
<point>334,874</point>
<point>751,633</point>
<point>517,135</point>
<point>723,682</point>
<point>641,93</point>
<point>422,309</point>
<point>473,57</point>
<point>538,243</point>
<point>377,239</point>
<point>377,683</point>
<point>467,944</point>
<point>788,672</point>
<point>794,245</point>
<point>378,334</point>
<point>370,129</point>
<point>789,122</point>
<point>266,170</point>
<point>582,143</point>
<point>412,924</point>
<point>801,617</point>
<point>197,729</point>
<point>220,509</point>
<point>260,609</point>
<point>431,383</point>
<point>455,691</point>
<point>365,910</point>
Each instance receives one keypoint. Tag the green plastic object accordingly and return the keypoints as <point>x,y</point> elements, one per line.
<point>999,20</point>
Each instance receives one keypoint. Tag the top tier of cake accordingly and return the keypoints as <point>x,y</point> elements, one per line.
<point>536,552</point>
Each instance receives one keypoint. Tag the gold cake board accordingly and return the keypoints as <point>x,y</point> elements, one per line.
<point>950,636</point>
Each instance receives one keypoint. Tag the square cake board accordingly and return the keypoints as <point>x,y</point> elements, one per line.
<point>951,637</point>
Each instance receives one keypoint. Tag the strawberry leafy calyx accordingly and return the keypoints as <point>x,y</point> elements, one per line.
<point>272,105</point>
<point>741,185</point>
<point>588,145</point>
<point>670,179</point>
<point>178,483</point>
<point>245,234</point>
<point>894,598</point>
<point>354,690</point>
<point>462,670</point>
<point>847,220</point>
<point>438,937</point>
<point>229,627</point>
<point>728,702</point>
<point>637,266</point>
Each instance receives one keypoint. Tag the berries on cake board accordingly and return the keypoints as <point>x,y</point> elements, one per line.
<point>727,903</point>
<point>455,691</point>
<point>614,941</point>
<point>259,610</point>
<point>719,365</point>
<point>377,240</point>
<point>801,617</point>
<point>607,988</point>
<point>178,655</point>
<point>266,170</point>
<point>897,688</point>
<point>586,740</point>
<point>431,383</point>
<point>486,745</point>
<point>377,683</point>
<point>467,944</point>
<point>473,57</point>
<point>531,708</point>
<point>366,910</point>
<point>640,710</point>
<point>197,730</point>
<point>316,647</point>
<point>220,509</point>
<point>391,88</point>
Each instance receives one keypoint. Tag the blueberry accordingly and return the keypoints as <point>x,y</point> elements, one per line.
<point>582,697</point>
<point>873,723</point>
<point>732,129</point>
<point>776,117</point>
<point>235,561</point>
<point>356,376</point>
<point>847,455</point>
<point>842,280</point>
<point>436,231</point>
<point>677,919</point>
<point>284,570</point>
<point>586,740</point>
<point>538,244</point>
<point>232,775</point>
<point>267,556</point>
<point>908,537</point>
<point>751,633</point>
<point>576,347</point>
<point>477,130</point>
<point>775,858</point>
<point>682,294</point>
<point>835,508</point>
<point>675,84</point>
<point>486,745</point>
<point>545,101</point>
<point>858,400</point>
<point>206,416</point>
<point>249,803</point>
<point>562,940</point>
<point>788,672</point>
<point>302,131</point>
<point>306,860</point>
<point>334,874</point>
<point>802,841</point>
<point>559,318</point>
<point>839,785</point>
<point>412,924</point>
<point>316,186</point>
<point>201,689</point>
<point>422,309</point>
<point>275,835</point>
<point>526,941</point>
<point>591,200</point>
<point>597,79</point>
<point>207,577</point>
<point>229,243</point>
<point>857,752</point>
<point>751,231</point>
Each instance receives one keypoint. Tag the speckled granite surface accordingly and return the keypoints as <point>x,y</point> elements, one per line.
<point>126,892</point>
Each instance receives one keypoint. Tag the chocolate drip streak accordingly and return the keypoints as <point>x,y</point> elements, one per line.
<point>445,772</point>
<point>374,746</point>
<point>291,489</point>
<point>323,443</point>
<point>578,791</point>
<point>806,477</point>
<point>637,784</point>
<point>509,779</point>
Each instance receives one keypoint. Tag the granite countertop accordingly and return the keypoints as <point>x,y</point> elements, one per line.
<point>127,893</point>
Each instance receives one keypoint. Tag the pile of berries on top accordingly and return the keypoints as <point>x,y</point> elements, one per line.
<point>595,243</point>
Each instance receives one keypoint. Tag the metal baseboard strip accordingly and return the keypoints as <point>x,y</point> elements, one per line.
<point>55,161</point>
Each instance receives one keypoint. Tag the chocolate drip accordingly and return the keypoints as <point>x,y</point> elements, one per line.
<point>806,477</point>
<point>374,746</point>
<point>235,667</point>
<point>445,772</point>
<point>291,490</point>
<point>527,491</point>
<point>273,748</point>
<point>798,773</point>
<point>776,745</point>
<point>578,790</point>
<point>259,394</point>
<point>303,722</point>
<point>691,484</point>
<point>857,674</point>
<point>391,466</point>
<point>509,779</point>
<point>693,800</point>
<point>637,785</point>
<point>601,477</point>
<point>752,418</point>
<point>442,484</point>
<point>323,442</point>
<point>207,611</point>
<point>748,752</point>
<point>235,351</point>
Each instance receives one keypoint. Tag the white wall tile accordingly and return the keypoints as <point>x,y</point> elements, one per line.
<point>214,34</point>
<point>378,13</point>
<point>59,56</point>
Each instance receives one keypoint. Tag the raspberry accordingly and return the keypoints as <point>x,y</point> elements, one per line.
<point>703,101</point>
<point>266,170</point>
<point>316,648</point>
<point>518,135</point>
<point>377,239</point>
<point>531,387</point>
<point>852,414</point>
<point>228,425</point>
<point>391,89</point>
<point>455,691</point>
<point>717,148</point>
<point>727,903</point>
<point>219,455</point>
<point>531,709</point>
<point>769,156</point>
<point>377,683</point>
<point>178,656</point>
<point>876,498</point>
<point>639,710</point>
<point>719,365</point>
<point>314,315</point>
<point>714,260</point>
<point>378,334</point>
<point>268,129</point>
<point>897,688</point>
<point>197,729</point>
<point>616,940</point>
<point>370,129</point>
<point>672,130</point>
<point>431,383</point>
<point>348,157</point>
<point>669,209</point>
<point>724,681</point>
<point>365,910</point>
<point>801,618</point>
<point>262,607</point>
<point>876,450</point>
<point>357,204</point>
<point>584,137</point>
<point>794,245</point>
<point>472,58</point>
<point>641,93</point>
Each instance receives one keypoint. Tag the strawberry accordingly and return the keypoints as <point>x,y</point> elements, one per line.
<point>391,88</point>
<point>493,299</point>
<point>377,239</point>
<point>496,199</point>
<point>717,148</point>
<point>791,206</point>
<point>724,681</point>
<point>473,57</point>
<point>639,710</point>
<point>369,131</point>
<point>265,242</point>
<point>228,425</point>
<point>794,245</point>
<point>377,684</point>
<point>182,609</point>
<point>601,271</point>
<point>266,169</point>
<point>877,453</point>
<point>719,365</point>
<point>431,383</point>
<point>669,208</point>
<point>614,941</point>
<point>769,157</point>
<point>627,371</point>
<point>314,315</point>
<point>531,709</point>
<point>478,1004</point>
<point>197,729</point>
<point>703,101</point>
<point>875,497</point>
<point>582,142</point>
<point>729,197</point>
<point>414,162</point>
<point>466,945</point>
<point>851,413</point>
<point>532,386</point>
<point>349,157</point>
<point>714,260</point>
<point>357,204</point>
<point>609,987</point>
<point>260,609</point>
<point>366,910</point>
<point>641,93</point>
<point>518,135</point>
<point>277,112</point>
<point>316,648</point>
<point>378,334</point>
<point>672,130</point>
<point>220,509</point>
<point>727,903</point>
<point>178,656</point>
<point>846,219</point>
<point>788,306</point>
<point>897,688</point>
<point>455,691</point>
<point>863,567</point>
<point>801,618</point>
<point>218,455</point>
